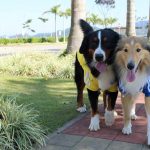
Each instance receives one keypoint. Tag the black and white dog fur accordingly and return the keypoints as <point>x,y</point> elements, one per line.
<point>97,49</point>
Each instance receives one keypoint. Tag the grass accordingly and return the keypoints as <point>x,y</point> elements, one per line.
<point>31,44</point>
<point>55,99</point>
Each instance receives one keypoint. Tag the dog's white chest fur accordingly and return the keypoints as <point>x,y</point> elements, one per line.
<point>134,87</point>
<point>106,79</point>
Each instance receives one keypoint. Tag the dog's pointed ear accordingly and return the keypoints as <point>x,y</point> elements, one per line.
<point>86,28</point>
<point>147,47</point>
<point>84,45</point>
<point>145,43</point>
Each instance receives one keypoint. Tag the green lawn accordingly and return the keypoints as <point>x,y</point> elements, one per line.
<point>55,99</point>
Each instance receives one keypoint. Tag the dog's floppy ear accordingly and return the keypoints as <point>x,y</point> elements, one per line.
<point>86,28</point>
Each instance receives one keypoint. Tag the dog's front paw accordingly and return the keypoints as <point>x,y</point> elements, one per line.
<point>127,129</point>
<point>109,117</point>
<point>148,140</point>
<point>94,124</point>
<point>115,114</point>
<point>133,116</point>
<point>82,109</point>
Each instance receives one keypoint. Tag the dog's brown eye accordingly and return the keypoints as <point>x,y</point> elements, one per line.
<point>125,50</point>
<point>138,49</point>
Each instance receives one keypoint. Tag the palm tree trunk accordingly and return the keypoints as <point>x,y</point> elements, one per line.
<point>148,33</point>
<point>75,36</point>
<point>130,22</point>
<point>64,35</point>
<point>56,38</point>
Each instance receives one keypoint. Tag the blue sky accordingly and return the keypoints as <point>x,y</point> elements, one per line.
<point>15,12</point>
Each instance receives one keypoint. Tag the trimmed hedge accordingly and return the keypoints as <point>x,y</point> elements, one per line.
<point>5,41</point>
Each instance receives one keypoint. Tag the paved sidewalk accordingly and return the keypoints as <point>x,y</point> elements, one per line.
<point>76,136</point>
<point>34,47</point>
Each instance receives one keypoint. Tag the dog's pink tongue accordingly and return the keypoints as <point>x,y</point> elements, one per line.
<point>101,67</point>
<point>130,76</point>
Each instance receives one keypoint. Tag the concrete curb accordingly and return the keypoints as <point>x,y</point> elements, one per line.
<point>66,125</point>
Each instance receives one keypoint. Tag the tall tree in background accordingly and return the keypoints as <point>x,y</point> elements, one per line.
<point>75,36</point>
<point>111,21</point>
<point>26,26</point>
<point>148,33</point>
<point>130,22</point>
<point>105,6</point>
<point>94,19</point>
<point>55,11</point>
<point>65,14</point>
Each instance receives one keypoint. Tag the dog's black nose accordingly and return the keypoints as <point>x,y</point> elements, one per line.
<point>99,57</point>
<point>130,65</point>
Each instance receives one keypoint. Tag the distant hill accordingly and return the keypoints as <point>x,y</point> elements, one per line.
<point>142,24</point>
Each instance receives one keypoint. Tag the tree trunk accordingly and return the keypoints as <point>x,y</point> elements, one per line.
<point>148,33</point>
<point>56,38</point>
<point>130,22</point>
<point>64,35</point>
<point>75,36</point>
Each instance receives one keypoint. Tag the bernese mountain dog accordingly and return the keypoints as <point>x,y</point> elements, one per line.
<point>93,69</point>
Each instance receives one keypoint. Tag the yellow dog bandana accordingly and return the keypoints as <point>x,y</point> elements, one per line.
<point>90,81</point>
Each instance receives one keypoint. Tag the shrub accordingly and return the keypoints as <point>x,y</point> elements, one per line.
<point>29,40</point>
<point>19,129</point>
<point>4,41</point>
<point>51,39</point>
<point>38,65</point>
<point>61,39</point>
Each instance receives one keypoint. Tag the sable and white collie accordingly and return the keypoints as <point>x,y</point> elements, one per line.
<point>93,69</point>
<point>132,63</point>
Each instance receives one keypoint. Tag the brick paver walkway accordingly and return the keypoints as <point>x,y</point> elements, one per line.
<point>114,132</point>
<point>76,135</point>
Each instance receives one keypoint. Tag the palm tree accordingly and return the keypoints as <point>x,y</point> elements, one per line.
<point>75,36</point>
<point>26,25</point>
<point>111,20</point>
<point>130,22</point>
<point>54,10</point>
<point>105,22</point>
<point>148,33</point>
<point>65,14</point>
<point>94,19</point>
<point>43,19</point>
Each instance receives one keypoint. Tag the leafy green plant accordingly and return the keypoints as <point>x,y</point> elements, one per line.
<point>38,65</point>
<point>19,129</point>
<point>4,41</point>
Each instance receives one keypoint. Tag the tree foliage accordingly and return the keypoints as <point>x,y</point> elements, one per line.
<point>65,13</point>
<point>105,2</point>
<point>94,19</point>
<point>108,21</point>
<point>54,10</point>
<point>26,25</point>
<point>43,19</point>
